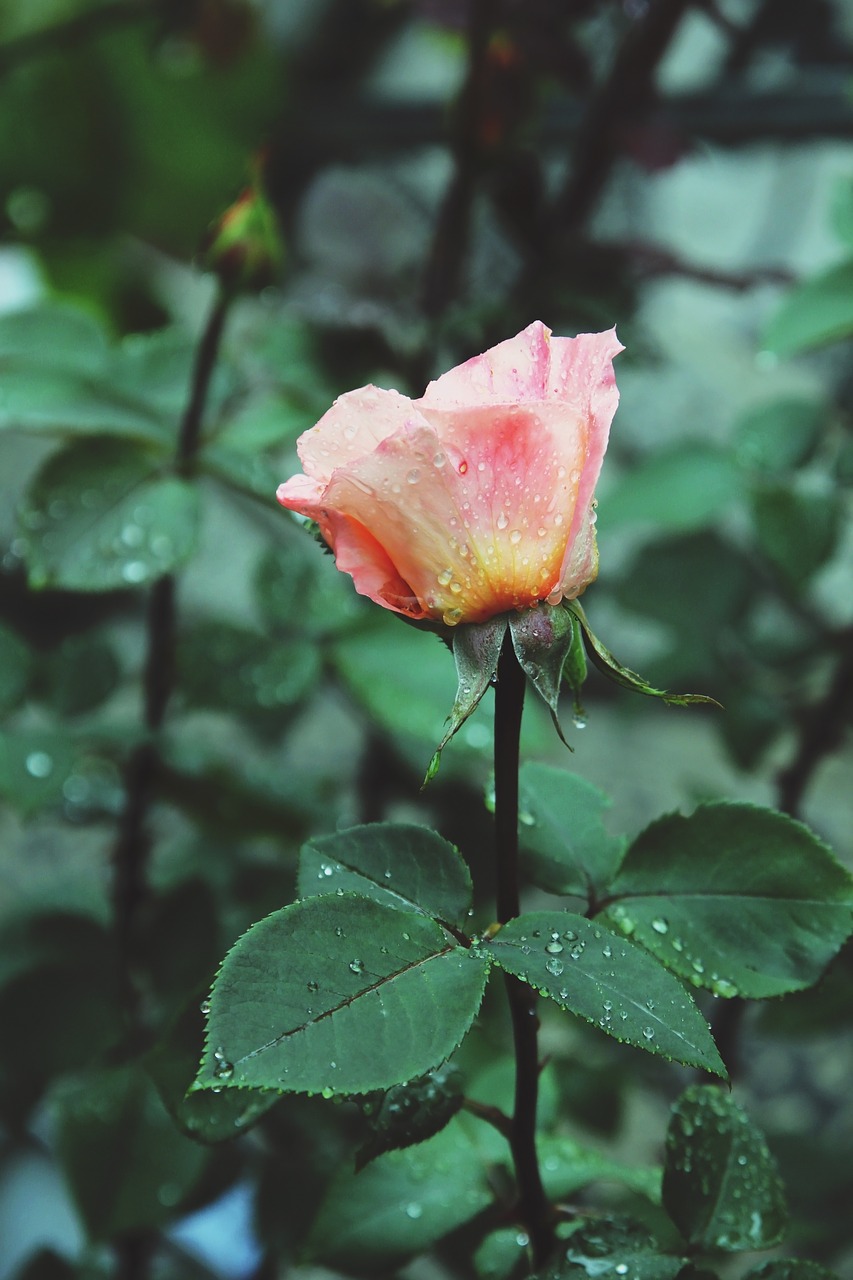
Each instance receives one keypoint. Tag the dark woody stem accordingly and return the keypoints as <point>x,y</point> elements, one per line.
<point>533,1204</point>
<point>132,847</point>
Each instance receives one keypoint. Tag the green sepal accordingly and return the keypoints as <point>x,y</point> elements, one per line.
<point>476,649</point>
<point>607,664</point>
<point>543,639</point>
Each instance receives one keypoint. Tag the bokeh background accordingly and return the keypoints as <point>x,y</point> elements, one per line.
<point>442,172</point>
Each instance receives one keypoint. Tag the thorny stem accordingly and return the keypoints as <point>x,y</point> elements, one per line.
<point>533,1203</point>
<point>130,855</point>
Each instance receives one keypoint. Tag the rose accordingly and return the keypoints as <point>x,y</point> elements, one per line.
<point>476,499</point>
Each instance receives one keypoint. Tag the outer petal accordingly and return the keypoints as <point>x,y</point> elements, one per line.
<point>584,367</point>
<point>356,423</point>
<point>513,372</point>
<point>357,551</point>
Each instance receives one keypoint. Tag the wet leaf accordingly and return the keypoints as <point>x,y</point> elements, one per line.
<point>339,995</point>
<point>738,899</point>
<point>403,866</point>
<point>720,1183</point>
<point>607,981</point>
<point>105,514</point>
<point>564,843</point>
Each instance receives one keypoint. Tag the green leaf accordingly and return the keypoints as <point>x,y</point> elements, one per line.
<point>607,664</point>
<point>15,668</point>
<point>501,1254</point>
<point>738,899</point>
<point>399,865</point>
<point>814,313</point>
<point>682,487</point>
<point>297,589</point>
<point>476,650</point>
<point>204,1115</point>
<point>797,531</point>
<point>127,1165</point>
<point>105,514</point>
<point>73,338</point>
<point>842,209</point>
<point>789,1269</point>
<point>401,676</point>
<point>338,995</point>
<point>401,1204</point>
<point>612,1249</point>
<point>608,981</point>
<point>778,436</point>
<point>564,843</point>
<point>567,1167</point>
<point>53,402</point>
<point>720,1183</point>
<point>35,765</point>
<point>410,1113</point>
<point>81,674</point>
<point>246,471</point>
<point>225,666</point>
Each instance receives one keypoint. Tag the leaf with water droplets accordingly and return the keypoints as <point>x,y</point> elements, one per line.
<point>402,1203</point>
<point>789,1269</point>
<point>339,995</point>
<point>720,1184</point>
<point>608,981</point>
<point>564,844</point>
<point>476,649</point>
<point>105,514</point>
<point>403,866</point>
<point>613,1248</point>
<point>410,1113</point>
<point>735,898</point>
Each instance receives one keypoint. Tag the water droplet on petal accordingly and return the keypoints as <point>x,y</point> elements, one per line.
<point>515,537</point>
<point>413,476</point>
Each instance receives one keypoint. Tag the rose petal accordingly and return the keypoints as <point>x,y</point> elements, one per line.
<point>357,422</point>
<point>513,372</point>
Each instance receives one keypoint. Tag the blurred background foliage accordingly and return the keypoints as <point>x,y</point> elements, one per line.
<point>188,688</point>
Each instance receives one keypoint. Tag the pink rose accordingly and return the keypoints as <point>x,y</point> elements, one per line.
<point>477,498</point>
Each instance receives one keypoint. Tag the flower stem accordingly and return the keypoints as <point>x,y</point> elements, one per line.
<point>533,1203</point>
<point>130,855</point>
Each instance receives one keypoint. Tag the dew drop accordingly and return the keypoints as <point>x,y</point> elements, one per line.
<point>413,1209</point>
<point>204,1007</point>
<point>223,1070</point>
<point>357,966</point>
<point>451,617</point>
<point>39,764</point>
<point>648,1033</point>
<point>554,966</point>
<point>413,476</point>
<point>502,520</point>
<point>515,537</point>
<point>444,577</point>
<point>553,947</point>
<point>134,571</point>
<point>439,460</point>
<point>607,951</point>
<point>579,721</point>
<point>660,925</point>
<point>327,1093</point>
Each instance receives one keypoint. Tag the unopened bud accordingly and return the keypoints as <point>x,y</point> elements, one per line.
<point>243,247</point>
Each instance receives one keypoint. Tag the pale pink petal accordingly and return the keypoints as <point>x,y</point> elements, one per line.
<point>585,364</point>
<point>513,372</point>
<point>581,567</point>
<point>356,423</point>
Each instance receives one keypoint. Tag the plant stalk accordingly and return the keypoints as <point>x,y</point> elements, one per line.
<point>533,1203</point>
<point>132,847</point>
